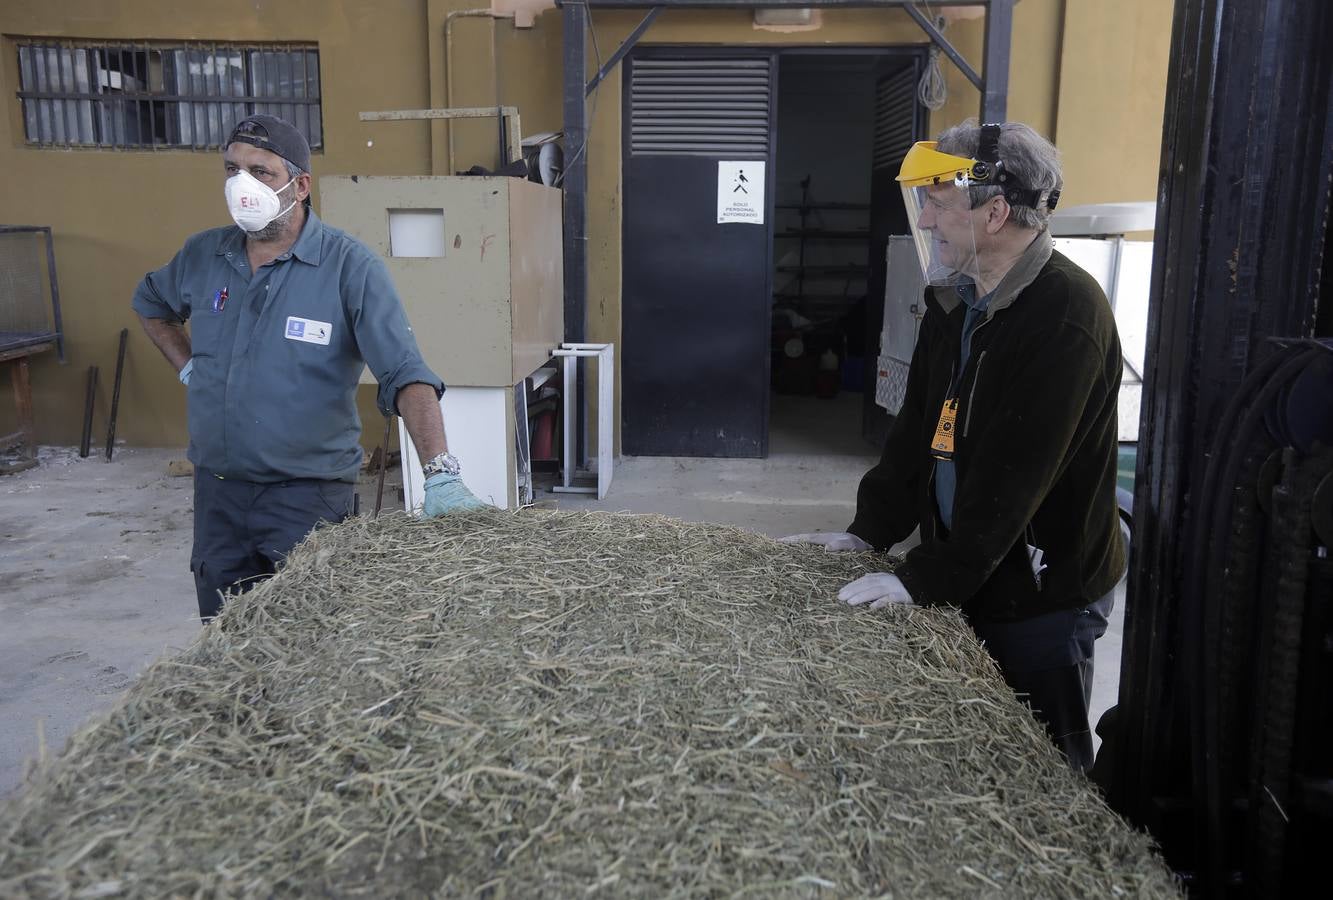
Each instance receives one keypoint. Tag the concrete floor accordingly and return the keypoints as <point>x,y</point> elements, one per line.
<point>94,563</point>
<point>94,558</point>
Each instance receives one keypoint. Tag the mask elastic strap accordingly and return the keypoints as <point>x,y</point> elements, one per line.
<point>291,205</point>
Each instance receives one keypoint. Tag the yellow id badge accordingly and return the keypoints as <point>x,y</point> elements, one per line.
<point>941,446</point>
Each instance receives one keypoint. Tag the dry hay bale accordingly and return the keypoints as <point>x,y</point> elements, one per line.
<point>565,704</point>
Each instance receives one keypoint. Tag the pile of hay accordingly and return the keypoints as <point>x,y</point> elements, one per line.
<point>562,704</point>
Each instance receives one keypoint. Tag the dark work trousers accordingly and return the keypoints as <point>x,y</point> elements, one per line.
<point>242,529</point>
<point>1047,660</point>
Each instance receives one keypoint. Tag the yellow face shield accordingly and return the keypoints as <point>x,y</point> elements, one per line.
<point>937,193</point>
<point>924,166</point>
<point>938,203</point>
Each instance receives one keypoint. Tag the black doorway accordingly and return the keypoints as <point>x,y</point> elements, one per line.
<point>845,120</point>
<point>720,320</point>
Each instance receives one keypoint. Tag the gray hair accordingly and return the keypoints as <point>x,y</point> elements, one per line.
<point>295,171</point>
<point>1033,161</point>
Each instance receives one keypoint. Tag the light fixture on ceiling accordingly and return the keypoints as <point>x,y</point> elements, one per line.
<point>784,17</point>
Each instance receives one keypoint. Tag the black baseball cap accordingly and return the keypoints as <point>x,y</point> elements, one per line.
<point>275,135</point>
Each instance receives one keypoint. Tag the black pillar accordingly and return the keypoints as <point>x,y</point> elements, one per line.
<point>995,61</point>
<point>576,170</point>
<point>1242,209</point>
<point>575,184</point>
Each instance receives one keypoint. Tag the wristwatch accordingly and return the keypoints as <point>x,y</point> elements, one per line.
<point>444,464</point>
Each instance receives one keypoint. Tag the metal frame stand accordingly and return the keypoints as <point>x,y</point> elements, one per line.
<point>605,354</point>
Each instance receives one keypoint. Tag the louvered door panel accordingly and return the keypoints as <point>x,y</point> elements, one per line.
<point>701,107</point>
<point>895,118</point>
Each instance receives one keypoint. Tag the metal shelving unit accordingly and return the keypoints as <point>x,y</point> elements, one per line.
<point>809,232</point>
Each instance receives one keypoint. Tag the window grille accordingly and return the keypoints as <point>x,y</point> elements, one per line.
<point>182,95</point>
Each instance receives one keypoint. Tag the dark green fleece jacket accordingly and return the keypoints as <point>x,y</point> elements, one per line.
<point>1035,449</point>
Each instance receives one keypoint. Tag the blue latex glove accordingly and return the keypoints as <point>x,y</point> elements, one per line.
<point>446,493</point>
<point>184,373</point>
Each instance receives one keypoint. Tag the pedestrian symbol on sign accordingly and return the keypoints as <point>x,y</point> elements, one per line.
<point>740,191</point>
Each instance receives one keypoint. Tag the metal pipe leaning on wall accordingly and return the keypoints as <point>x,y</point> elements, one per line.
<point>89,398</point>
<point>115,394</point>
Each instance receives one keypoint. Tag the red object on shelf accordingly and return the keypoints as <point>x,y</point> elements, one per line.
<point>543,435</point>
<point>826,384</point>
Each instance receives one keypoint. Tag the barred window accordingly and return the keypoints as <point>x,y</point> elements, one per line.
<point>179,95</point>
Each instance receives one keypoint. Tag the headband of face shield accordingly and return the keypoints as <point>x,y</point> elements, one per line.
<point>936,194</point>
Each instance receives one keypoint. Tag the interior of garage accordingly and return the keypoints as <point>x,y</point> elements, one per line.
<point>829,210</point>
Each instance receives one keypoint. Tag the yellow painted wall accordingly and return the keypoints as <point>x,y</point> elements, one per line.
<point>493,63</point>
<point>1034,73</point>
<point>118,214</point>
<point>1090,74</point>
<point>1112,98</point>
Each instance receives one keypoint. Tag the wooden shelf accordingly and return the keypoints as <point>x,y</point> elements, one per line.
<point>806,228</point>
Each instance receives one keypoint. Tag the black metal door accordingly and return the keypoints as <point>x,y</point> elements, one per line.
<point>696,294</point>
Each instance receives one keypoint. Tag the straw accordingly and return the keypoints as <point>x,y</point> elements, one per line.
<point>566,705</point>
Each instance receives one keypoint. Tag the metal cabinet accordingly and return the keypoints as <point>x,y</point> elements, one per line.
<point>478,264</point>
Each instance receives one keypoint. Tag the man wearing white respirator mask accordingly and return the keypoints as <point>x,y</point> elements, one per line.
<point>283,312</point>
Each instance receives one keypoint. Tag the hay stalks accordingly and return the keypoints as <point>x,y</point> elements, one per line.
<point>568,705</point>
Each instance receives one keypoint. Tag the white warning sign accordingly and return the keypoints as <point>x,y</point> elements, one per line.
<point>740,192</point>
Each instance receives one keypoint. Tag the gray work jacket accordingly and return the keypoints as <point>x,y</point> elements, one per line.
<point>278,352</point>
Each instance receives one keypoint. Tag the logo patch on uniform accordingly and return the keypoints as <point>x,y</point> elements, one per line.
<point>308,330</point>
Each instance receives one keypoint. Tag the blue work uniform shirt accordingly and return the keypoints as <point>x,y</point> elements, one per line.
<point>278,352</point>
<point>946,475</point>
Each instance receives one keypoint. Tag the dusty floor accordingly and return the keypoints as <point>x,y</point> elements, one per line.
<point>94,560</point>
<point>94,563</point>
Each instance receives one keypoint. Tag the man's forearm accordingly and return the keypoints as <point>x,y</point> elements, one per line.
<point>169,337</point>
<point>420,409</point>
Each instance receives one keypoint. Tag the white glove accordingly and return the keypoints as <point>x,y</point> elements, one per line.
<point>879,589</point>
<point>832,541</point>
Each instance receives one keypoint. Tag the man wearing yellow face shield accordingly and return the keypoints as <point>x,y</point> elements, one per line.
<point>1004,452</point>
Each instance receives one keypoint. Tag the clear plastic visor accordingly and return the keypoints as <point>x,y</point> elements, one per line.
<point>942,224</point>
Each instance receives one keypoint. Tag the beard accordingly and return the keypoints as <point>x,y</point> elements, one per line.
<point>273,230</point>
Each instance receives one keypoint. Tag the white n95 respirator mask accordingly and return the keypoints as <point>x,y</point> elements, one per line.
<point>252,203</point>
